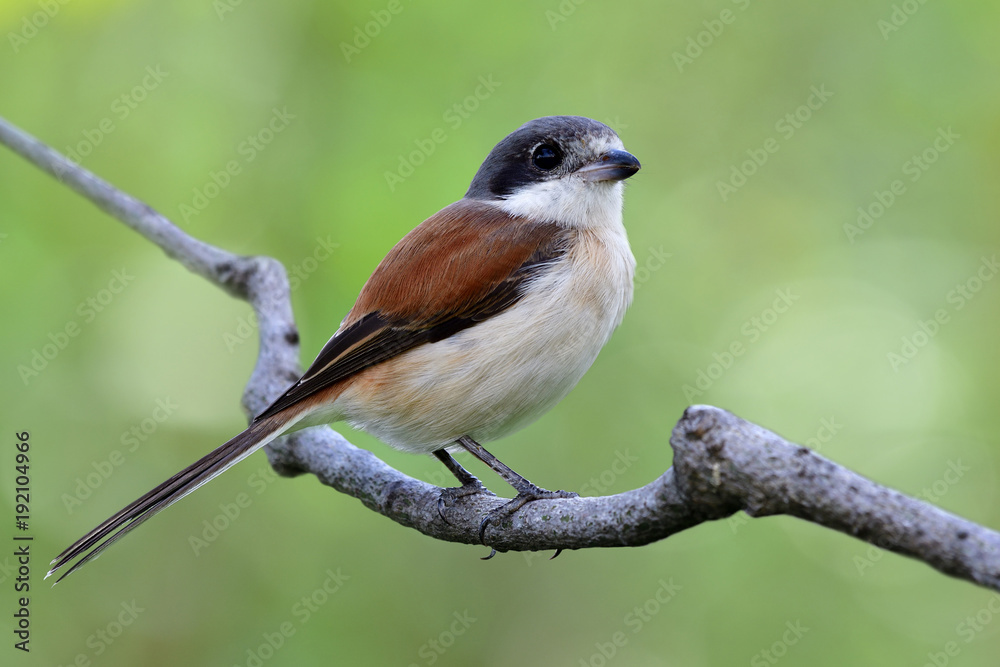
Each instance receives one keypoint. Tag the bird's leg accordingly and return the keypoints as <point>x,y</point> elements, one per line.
<point>463,475</point>
<point>526,491</point>
<point>470,484</point>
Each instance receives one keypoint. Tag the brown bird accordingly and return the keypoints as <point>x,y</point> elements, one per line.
<point>475,324</point>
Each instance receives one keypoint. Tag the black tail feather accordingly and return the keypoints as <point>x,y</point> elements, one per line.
<point>169,492</point>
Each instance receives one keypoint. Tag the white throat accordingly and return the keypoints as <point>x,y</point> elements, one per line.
<point>569,201</point>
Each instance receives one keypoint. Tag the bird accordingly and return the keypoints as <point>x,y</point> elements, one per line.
<point>477,322</point>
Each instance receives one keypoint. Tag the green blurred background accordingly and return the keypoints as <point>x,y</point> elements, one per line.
<point>181,86</point>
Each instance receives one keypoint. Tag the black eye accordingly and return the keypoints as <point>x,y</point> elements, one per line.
<point>546,157</point>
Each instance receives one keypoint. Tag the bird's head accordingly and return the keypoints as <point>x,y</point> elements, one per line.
<point>563,169</point>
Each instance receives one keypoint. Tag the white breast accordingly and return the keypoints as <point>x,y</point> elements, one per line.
<point>494,378</point>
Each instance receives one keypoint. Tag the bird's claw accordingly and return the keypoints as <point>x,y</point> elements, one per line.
<point>520,500</point>
<point>451,495</point>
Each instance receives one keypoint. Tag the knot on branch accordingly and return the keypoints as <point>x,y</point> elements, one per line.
<point>726,464</point>
<point>702,463</point>
<point>240,275</point>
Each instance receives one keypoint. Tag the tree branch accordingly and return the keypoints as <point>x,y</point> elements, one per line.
<point>722,464</point>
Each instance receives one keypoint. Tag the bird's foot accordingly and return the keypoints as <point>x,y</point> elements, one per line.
<point>526,494</point>
<point>451,495</point>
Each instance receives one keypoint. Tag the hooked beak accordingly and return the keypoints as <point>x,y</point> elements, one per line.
<point>612,166</point>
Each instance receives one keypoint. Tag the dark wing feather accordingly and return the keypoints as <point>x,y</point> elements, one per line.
<point>365,343</point>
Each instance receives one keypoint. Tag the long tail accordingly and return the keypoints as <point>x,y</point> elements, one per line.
<point>120,524</point>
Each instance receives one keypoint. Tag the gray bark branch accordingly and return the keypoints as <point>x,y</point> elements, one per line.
<point>722,464</point>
